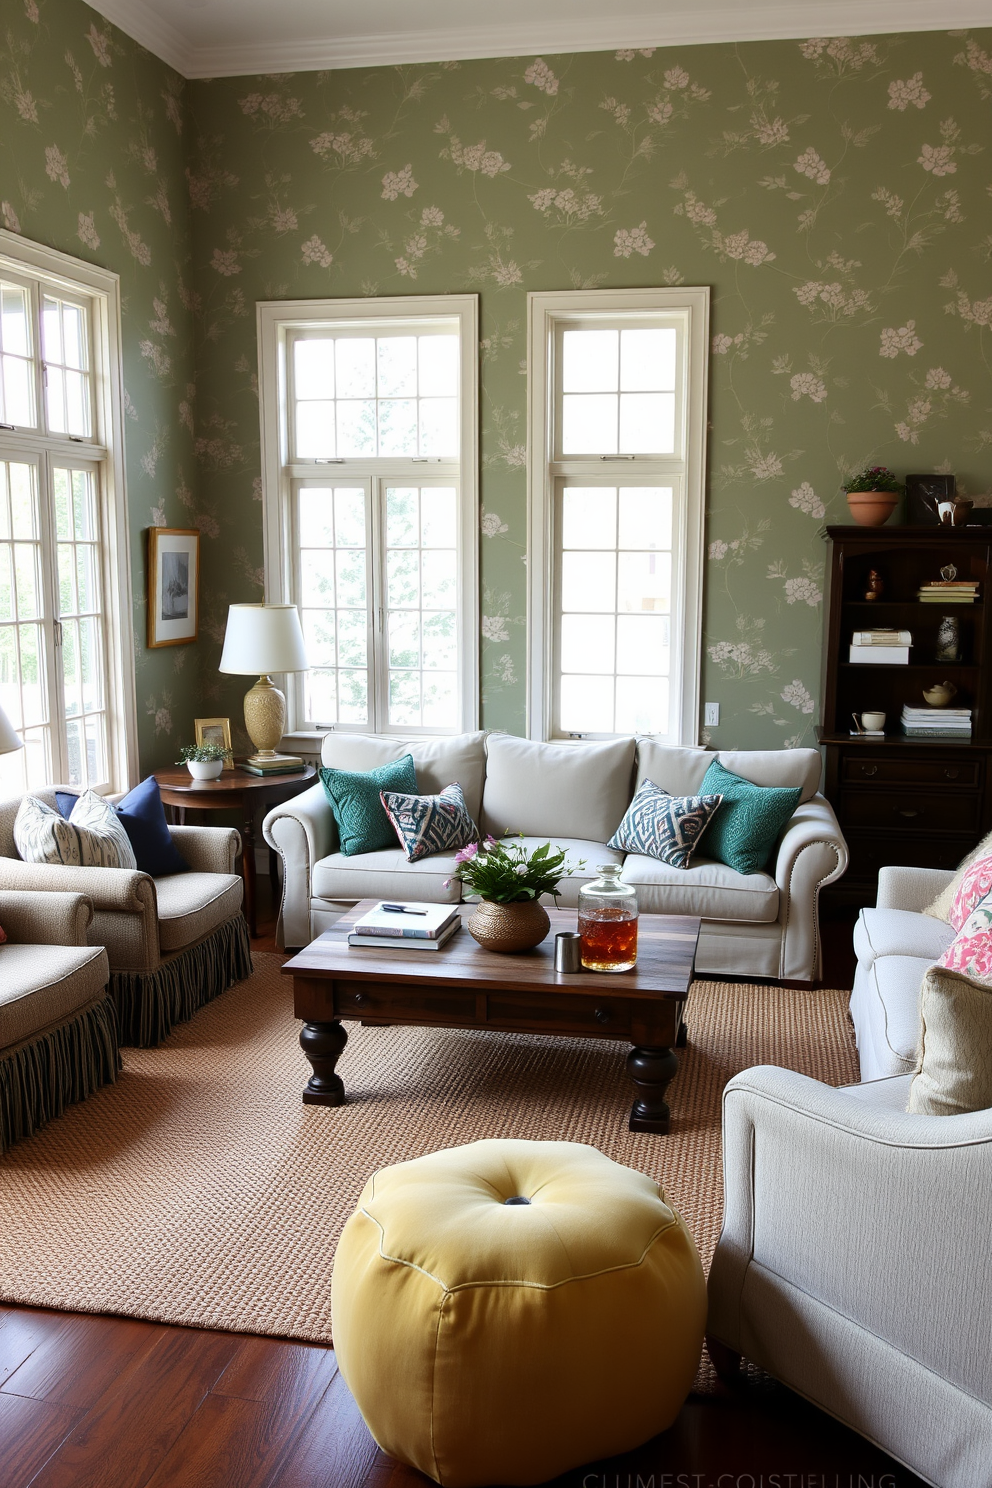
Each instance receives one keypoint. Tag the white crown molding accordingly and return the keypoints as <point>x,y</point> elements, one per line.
<point>685,26</point>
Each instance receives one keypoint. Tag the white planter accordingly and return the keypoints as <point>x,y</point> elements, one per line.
<point>204,769</point>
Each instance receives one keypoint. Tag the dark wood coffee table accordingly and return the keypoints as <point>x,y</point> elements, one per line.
<point>464,986</point>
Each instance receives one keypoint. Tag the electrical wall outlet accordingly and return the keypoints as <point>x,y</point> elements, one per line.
<point>711,715</point>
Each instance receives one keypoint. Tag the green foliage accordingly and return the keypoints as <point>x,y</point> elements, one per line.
<point>505,873</point>
<point>200,753</point>
<point>875,478</point>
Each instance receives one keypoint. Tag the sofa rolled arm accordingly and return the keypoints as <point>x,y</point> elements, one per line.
<point>208,849</point>
<point>844,1200</point>
<point>910,888</point>
<point>122,889</point>
<point>45,919</point>
<point>302,831</point>
<point>811,853</point>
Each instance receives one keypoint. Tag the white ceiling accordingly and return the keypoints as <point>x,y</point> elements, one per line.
<point>230,38</point>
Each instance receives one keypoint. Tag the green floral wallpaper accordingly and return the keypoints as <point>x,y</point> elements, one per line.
<point>835,193</point>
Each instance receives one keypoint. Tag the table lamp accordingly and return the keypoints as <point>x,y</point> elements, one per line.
<point>264,638</point>
<point>9,741</point>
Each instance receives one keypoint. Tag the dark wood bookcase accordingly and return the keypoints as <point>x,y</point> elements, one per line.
<point>923,802</point>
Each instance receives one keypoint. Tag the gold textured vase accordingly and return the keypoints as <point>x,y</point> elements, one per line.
<point>509,927</point>
<point>265,721</point>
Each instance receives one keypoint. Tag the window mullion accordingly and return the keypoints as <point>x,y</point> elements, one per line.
<point>51,640</point>
<point>378,640</point>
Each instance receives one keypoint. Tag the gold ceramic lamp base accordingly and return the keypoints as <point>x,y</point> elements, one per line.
<point>265,720</point>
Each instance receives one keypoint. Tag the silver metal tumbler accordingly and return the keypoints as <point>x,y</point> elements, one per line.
<point>567,951</point>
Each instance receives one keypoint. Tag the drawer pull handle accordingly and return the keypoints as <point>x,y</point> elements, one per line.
<point>951,774</point>
<point>602,1015</point>
<point>361,998</point>
<point>908,813</point>
<point>869,769</point>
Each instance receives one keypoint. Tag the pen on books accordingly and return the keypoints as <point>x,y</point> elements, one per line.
<point>402,909</point>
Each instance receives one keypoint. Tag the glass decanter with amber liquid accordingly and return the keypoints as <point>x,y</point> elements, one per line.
<point>607,922</point>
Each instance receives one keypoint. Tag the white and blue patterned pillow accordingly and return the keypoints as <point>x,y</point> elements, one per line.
<point>663,826</point>
<point>41,835</point>
<point>103,842</point>
<point>430,824</point>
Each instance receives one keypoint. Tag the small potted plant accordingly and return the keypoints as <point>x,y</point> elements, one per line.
<point>204,761</point>
<point>872,495</point>
<point>510,881</point>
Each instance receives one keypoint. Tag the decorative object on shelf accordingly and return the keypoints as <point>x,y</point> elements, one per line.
<point>936,722</point>
<point>203,761</point>
<point>949,588</point>
<point>873,723</point>
<point>940,694</point>
<point>961,514</point>
<point>510,882</point>
<point>923,494</point>
<point>215,731</point>
<point>876,585</point>
<point>608,922</point>
<point>948,639</point>
<point>872,495</point>
<point>260,639</point>
<point>173,585</point>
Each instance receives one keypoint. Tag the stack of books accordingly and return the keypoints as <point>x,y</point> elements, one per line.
<point>277,767</point>
<point>949,591</point>
<point>406,925</point>
<point>936,723</point>
<point>881,647</point>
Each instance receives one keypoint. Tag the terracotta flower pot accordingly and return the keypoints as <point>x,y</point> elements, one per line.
<point>871,508</point>
<point>509,927</point>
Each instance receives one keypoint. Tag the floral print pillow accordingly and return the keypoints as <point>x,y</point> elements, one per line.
<point>970,951</point>
<point>976,883</point>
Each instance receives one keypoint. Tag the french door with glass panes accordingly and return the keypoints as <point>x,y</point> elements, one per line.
<point>53,631</point>
<point>378,585</point>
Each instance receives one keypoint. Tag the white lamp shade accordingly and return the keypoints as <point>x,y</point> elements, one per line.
<point>9,741</point>
<point>263,638</point>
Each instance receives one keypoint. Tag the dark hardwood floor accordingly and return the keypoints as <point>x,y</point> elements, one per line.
<point>108,1402</point>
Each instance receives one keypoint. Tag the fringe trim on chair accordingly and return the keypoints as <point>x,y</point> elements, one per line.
<point>151,1003</point>
<point>43,1076</point>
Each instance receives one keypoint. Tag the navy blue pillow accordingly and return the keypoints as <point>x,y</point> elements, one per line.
<point>143,817</point>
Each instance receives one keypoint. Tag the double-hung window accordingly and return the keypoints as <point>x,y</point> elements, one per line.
<point>66,675</point>
<point>616,464</point>
<point>369,414</point>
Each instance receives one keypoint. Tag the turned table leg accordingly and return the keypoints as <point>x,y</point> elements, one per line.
<point>323,1044</point>
<point>651,1070</point>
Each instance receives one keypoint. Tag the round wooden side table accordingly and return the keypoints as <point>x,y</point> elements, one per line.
<point>232,790</point>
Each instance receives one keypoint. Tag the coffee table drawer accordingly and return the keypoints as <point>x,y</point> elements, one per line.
<point>560,1013</point>
<point>403,1004</point>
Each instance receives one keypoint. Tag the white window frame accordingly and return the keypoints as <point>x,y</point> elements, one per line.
<point>688,310</point>
<point>103,451</point>
<point>276,321</point>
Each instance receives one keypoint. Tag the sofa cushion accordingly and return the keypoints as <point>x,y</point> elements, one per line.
<point>677,770</point>
<point>970,952</point>
<point>41,835</point>
<point>680,771</point>
<point>143,817</point>
<point>438,762</point>
<point>191,905</point>
<point>386,875</point>
<point>662,826</point>
<point>356,800</point>
<point>572,790</point>
<point>750,819</point>
<point>428,825</point>
<point>975,885</point>
<point>899,932</point>
<point>103,842</point>
<point>954,1072</point>
<point>42,985</point>
<point>711,890</point>
<point>940,909</point>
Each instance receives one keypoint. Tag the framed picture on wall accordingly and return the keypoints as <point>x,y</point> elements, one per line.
<point>173,585</point>
<point>214,731</point>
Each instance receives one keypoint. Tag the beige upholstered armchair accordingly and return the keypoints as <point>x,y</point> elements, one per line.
<point>173,943</point>
<point>853,1263</point>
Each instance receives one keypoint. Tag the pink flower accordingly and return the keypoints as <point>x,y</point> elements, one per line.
<point>466,854</point>
<point>491,840</point>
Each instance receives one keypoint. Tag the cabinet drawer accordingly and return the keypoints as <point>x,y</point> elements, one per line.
<point>403,1004</point>
<point>957,773</point>
<point>562,1012</point>
<point>912,810</point>
<point>871,851</point>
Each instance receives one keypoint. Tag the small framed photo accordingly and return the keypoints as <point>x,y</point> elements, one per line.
<point>173,585</point>
<point>214,731</point>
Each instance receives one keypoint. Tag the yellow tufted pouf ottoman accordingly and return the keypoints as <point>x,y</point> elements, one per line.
<point>507,1310</point>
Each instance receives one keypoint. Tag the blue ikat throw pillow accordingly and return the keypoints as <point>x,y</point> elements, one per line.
<point>662,826</point>
<point>427,825</point>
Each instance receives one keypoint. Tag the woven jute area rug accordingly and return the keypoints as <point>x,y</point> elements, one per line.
<point>199,1190</point>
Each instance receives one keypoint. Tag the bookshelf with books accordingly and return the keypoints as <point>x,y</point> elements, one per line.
<point>918,791</point>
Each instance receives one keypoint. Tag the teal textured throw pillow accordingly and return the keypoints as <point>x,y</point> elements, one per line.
<point>744,831</point>
<point>363,825</point>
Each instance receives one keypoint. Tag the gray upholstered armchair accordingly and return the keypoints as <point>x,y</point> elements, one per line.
<point>173,943</point>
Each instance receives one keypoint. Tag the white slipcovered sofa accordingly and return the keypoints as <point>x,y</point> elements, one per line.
<point>895,942</point>
<point>853,1262</point>
<point>575,795</point>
